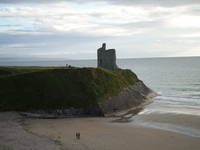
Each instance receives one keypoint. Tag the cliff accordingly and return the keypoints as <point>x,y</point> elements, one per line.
<point>94,91</point>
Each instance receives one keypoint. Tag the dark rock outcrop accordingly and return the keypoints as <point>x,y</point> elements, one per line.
<point>130,97</point>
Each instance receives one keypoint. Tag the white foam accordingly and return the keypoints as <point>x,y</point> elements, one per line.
<point>169,127</point>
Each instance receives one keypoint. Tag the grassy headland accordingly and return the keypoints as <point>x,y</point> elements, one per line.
<point>32,88</point>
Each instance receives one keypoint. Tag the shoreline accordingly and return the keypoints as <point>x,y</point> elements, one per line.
<point>178,123</point>
<point>96,133</point>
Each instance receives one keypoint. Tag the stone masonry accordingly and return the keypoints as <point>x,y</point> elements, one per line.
<point>106,58</point>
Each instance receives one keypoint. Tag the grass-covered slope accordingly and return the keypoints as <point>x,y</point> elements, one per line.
<point>30,88</point>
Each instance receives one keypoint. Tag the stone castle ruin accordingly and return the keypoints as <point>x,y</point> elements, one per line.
<point>106,58</point>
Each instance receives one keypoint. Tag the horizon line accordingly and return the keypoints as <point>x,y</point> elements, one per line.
<point>57,59</point>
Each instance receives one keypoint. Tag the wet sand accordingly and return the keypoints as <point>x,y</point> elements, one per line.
<point>103,134</point>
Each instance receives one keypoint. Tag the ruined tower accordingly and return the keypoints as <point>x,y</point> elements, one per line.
<point>106,58</point>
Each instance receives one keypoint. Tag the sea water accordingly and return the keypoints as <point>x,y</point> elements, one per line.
<point>177,80</point>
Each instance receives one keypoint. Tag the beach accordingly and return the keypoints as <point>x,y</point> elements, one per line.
<point>13,135</point>
<point>100,75</point>
<point>99,133</point>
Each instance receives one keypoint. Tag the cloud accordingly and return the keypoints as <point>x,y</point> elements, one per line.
<point>136,28</point>
<point>103,22</point>
<point>56,44</point>
<point>100,20</point>
<point>191,35</point>
<point>186,21</point>
<point>165,3</point>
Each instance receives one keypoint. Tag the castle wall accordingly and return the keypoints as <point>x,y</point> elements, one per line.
<point>107,58</point>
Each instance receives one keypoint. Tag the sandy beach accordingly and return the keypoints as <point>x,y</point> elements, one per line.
<point>13,136</point>
<point>96,133</point>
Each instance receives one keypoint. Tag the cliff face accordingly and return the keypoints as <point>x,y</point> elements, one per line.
<point>131,97</point>
<point>87,91</point>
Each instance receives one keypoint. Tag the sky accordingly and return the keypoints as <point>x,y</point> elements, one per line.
<point>75,29</point>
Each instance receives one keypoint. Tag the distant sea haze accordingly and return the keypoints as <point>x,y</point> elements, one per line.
<point>177,80</point>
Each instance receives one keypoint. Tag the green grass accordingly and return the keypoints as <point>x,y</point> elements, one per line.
<point>32,88</point>
<point>13,70</point>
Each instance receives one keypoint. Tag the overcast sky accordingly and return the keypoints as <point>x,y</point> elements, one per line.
<point>74,29</point>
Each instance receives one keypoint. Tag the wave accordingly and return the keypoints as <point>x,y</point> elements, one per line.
<point>192,96</point>
<point>170,127</point>
<point>179,98</point>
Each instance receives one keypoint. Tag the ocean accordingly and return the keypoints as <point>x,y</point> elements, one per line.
<point>176,80</point>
